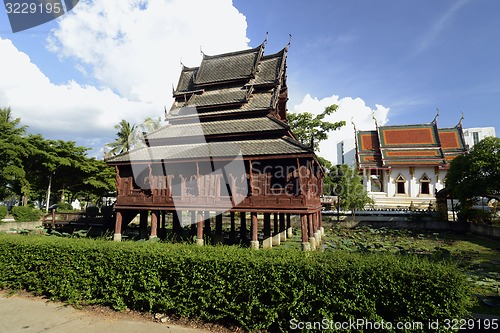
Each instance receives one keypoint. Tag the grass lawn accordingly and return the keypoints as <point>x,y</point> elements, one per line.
<point>478,257</point>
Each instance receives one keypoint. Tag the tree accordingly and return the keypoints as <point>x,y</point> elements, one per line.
<point>123,138</point>
<point>308,128</point>
<point>12,151</point>
<point>348,186</point>
<point>131,136</point>
<point>477,173</point>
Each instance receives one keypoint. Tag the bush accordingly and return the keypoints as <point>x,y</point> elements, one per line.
<point>475,215</point>
<point>26,214</point>
<point>64,207</point>
<point>3,212</point>
<point>256,290</point>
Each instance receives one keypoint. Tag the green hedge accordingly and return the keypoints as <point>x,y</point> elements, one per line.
<point>256,290</point>
<point>26,214</point>
<point>3,212</point>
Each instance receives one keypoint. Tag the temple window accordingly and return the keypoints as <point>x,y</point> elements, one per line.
<point>425,185</point>
<point>400,185</point>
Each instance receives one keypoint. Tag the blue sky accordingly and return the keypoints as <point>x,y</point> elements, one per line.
<point>75,77</point>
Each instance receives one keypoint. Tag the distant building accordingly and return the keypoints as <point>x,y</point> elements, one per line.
<point>405,165</point>
<point>346,152</point>
<point>473,135</point>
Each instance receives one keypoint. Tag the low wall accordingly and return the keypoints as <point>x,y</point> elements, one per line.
<point>410,225</point>
<point>485,230</point>
<point>412,221</point>
<point>6,226</point>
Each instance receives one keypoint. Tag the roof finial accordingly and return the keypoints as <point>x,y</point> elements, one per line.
<point>165,109</point>
<point>461,120</point>
<point>265,40</point>
<point>374,119</point>
<point>289,40</point>
<point>173,89</point>
<point>201,51</point>
<point>436,117</point>
<point>355,140</point>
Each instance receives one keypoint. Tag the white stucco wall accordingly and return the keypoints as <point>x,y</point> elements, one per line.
<point>412,186</point>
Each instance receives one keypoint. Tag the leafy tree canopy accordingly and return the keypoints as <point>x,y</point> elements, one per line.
<point>29,163</point>
<point>476,173</point>
<point>308,128</point>
<point>348,185</point>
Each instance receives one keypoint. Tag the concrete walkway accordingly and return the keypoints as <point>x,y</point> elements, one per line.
<point>29,315</point>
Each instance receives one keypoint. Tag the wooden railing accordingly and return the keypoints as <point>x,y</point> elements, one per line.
<point>57,220</point>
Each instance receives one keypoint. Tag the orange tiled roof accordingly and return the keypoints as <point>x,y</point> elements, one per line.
<point>422,144</point>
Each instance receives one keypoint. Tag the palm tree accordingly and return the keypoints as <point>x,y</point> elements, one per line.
<point>131,136</point>
<point>149,124</point>
<point>123,141</point>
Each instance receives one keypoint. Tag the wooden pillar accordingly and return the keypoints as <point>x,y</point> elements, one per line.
<point>289,230</point>
<point>267,241</point>
<point>232,235</point>
<point>154,224</point>
<point>194,223</point>
<point>317,231</point>
<point>219,237</point>
<point>254,243</point>
<point>199,229</point>
<point>306,246</point>
<point>243,226</point>
<point>208,229</point>
<point>312,239</point>
<point>276,231</point>
<point>143,224</point>
<point>118,226</point>
<point>163,225</point>
<point>282,223</point>
<point>176,223</point>
<point>321,229</point>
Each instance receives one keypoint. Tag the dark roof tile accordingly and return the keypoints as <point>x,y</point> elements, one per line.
<point>228,67</point>
<point>246,125</point>
<point>280,146</point>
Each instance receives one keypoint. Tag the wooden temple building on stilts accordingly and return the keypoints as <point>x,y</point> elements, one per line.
<point>227,148</point>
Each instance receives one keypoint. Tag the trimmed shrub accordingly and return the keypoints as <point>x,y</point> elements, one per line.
<point>26,214</point>
<point>3,212</point>
<point>256,290</point>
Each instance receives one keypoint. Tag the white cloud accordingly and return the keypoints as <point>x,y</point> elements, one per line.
<point>349,109</point>
<point>135,46</point>
<point>70,108</point>
<point>133,49</point>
